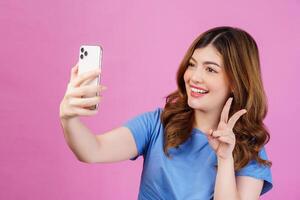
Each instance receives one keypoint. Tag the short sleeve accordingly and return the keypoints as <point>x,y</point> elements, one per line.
<point>142,127</point>
<point>258,171</point>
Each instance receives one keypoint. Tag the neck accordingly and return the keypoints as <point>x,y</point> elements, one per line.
<point>206,120</point>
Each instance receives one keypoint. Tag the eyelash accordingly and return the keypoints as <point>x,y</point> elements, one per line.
<point>191,64</point>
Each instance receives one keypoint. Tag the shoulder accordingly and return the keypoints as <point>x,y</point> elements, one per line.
<point>258,171</point>
<point>144,127</point>
<point>147,116</point>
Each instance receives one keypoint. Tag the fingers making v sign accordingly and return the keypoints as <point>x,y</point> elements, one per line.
<point>223,139</point>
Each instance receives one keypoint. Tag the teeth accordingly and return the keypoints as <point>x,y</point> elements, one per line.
<point>199,91</point>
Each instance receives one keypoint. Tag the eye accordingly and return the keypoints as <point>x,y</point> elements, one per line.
<point>211,70</point>
<point>190,64</point>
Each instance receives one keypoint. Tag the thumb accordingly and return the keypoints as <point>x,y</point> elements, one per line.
<point>209,134</point>
<point>74,71</point>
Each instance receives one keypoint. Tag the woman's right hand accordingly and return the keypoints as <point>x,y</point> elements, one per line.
<point>72,104</point>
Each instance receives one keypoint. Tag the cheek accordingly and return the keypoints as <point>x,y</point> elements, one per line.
<point>186,76</point>
<point>215,88</point>
<point>221,88</point>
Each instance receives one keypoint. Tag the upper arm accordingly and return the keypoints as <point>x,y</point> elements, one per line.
<point>248,187</point>
<point>253,175</point>
<point>128,141</point>
<point>116,145</point>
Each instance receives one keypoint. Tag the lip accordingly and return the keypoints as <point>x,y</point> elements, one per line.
<point>196,95</point>
<point>200,88</point>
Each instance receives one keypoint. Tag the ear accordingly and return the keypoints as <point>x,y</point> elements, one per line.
<point>231,94</point>
<point>232,90</point>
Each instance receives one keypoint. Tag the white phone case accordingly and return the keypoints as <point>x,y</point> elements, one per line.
<point>90,58</point>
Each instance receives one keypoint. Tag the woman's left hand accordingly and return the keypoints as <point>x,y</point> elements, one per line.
<point>223,139</point>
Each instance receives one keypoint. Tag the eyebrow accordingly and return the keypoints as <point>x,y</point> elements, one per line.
<point>206,62</point>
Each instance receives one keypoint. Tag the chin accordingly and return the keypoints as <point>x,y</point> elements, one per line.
<point>196,105</point>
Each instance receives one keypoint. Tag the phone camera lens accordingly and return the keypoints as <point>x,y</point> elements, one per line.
<point>82,49</point>
<point>81,56</point>
<point>85,53</point>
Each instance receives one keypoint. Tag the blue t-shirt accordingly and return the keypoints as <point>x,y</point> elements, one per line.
<point>191,172</point>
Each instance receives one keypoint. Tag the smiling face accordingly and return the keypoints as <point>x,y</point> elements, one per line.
<point>205,70</point>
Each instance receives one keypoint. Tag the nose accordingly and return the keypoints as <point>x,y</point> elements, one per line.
<point>197,75</point>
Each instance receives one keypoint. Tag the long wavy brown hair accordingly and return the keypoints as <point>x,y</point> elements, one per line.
<point>242,66</point>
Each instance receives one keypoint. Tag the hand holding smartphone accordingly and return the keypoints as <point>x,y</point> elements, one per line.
<point>82,96</point>
<point>90,59</point>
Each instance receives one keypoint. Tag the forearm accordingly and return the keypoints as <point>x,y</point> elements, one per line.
<point>79,138</point>
<point>225,186</point>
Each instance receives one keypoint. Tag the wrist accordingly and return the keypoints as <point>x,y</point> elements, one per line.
<point>226,160</point>
<point>68,119</point>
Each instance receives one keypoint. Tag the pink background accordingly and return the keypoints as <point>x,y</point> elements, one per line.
<point>143,44</point>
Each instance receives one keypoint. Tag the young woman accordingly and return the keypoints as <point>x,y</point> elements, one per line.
<point>207,142</point>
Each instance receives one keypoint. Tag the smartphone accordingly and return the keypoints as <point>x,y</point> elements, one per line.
<point>90,58</point>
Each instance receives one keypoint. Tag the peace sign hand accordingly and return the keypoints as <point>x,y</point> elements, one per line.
<point>223,139</point>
